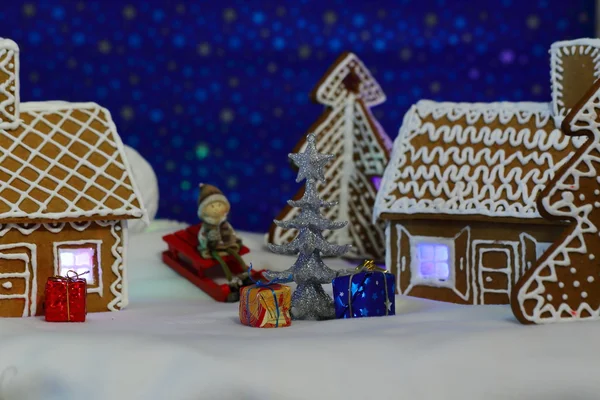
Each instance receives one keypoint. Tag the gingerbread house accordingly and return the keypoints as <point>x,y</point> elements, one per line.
<point>66,194</point>
<point>459,196</point>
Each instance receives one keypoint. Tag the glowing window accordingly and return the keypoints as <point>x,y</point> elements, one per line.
<point>434,261</point>
<point>80,260</point>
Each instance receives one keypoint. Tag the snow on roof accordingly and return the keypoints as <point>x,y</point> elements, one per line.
<point>473,159</point>
<point>65,161</point>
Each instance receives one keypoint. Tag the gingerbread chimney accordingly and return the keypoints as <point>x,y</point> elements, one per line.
<point>9,84</point>
<point>575,66</point>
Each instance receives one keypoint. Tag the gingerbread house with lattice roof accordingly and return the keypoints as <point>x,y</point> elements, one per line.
<point>459,195</point>
<point>66,192</point>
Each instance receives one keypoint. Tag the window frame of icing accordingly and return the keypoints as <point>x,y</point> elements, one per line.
<point>417,277</point>
<point>95,273</point>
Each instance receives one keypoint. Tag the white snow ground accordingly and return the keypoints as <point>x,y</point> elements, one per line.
<point>173,342</point>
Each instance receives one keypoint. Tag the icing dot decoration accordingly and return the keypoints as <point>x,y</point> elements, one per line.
<point>584,295</point>
<point>590,279</point>
<point>573,270</point>
<point>591,256</point>
<point>565,296</point>
<point>576,283</point>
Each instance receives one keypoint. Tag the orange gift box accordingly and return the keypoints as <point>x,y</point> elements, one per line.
<point>266,306</point>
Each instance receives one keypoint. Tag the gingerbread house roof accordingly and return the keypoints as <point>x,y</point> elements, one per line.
<point>467,159</point>
<point>65,161</point>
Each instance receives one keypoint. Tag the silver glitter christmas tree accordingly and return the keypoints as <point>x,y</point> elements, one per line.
<point>309,301</point>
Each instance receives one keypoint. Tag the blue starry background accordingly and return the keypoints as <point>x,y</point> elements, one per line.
<point>217,91</point>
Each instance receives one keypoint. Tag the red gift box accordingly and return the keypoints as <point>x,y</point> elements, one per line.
<point>65,299</point>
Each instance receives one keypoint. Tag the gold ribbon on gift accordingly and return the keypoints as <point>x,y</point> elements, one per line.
<point>369,266</point>
<point>70,278</point>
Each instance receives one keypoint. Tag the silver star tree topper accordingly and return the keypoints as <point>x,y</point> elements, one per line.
<point>309,301</point>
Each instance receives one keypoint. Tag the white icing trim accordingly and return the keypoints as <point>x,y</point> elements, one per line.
<point>568,48</point>
<point>38,111</point>
<point>118,230</point>
<point>415,280</point>
<point>347,160</point>
<point>55,227</point>
<point>480,247</point>
<point>454,159</point>
<point>10,87</point>
<point>584,169</point>
<point>415,275</point>
<point>388,253</point>
<point>465,263</point>
<point>331,91</point>
<point>80,225</point>
<point>118,251</point>
<point>125,281</point>
<point>98,286</point>
<point>30,294</point>
<point>8,44</point>
<point>525,265</point>
<point>400,258</point>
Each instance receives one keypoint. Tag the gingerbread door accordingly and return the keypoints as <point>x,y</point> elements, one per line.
<point>496,263</point>
<point>18,291</point>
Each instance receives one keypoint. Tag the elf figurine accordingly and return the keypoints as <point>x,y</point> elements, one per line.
<point>217,238</point>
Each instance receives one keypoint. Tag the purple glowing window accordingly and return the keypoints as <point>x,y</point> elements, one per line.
<point>80,260</point>
<point>434,261</point>
<point>376,182</point>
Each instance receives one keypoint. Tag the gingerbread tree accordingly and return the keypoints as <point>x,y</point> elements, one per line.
<point>348,130</point>
<point>564,284</point>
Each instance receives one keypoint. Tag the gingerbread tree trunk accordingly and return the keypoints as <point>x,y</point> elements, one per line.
<point>309,300</point>
<point>349,131</point>
<point>564,284</point>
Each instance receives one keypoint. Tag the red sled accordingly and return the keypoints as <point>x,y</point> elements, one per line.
<point>184,258</point>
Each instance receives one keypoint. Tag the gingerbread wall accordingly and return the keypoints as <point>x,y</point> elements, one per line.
<point>28,260</point>
<point>486,262</point>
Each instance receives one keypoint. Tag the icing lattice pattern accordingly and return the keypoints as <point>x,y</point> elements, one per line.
<point>65,161</point>
<point>473,159</point>
<point>9,84</point>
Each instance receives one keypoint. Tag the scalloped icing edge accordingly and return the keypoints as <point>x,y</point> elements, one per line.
<point>12,83</point>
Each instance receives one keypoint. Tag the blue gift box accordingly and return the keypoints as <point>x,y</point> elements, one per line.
<point>364,294</point>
